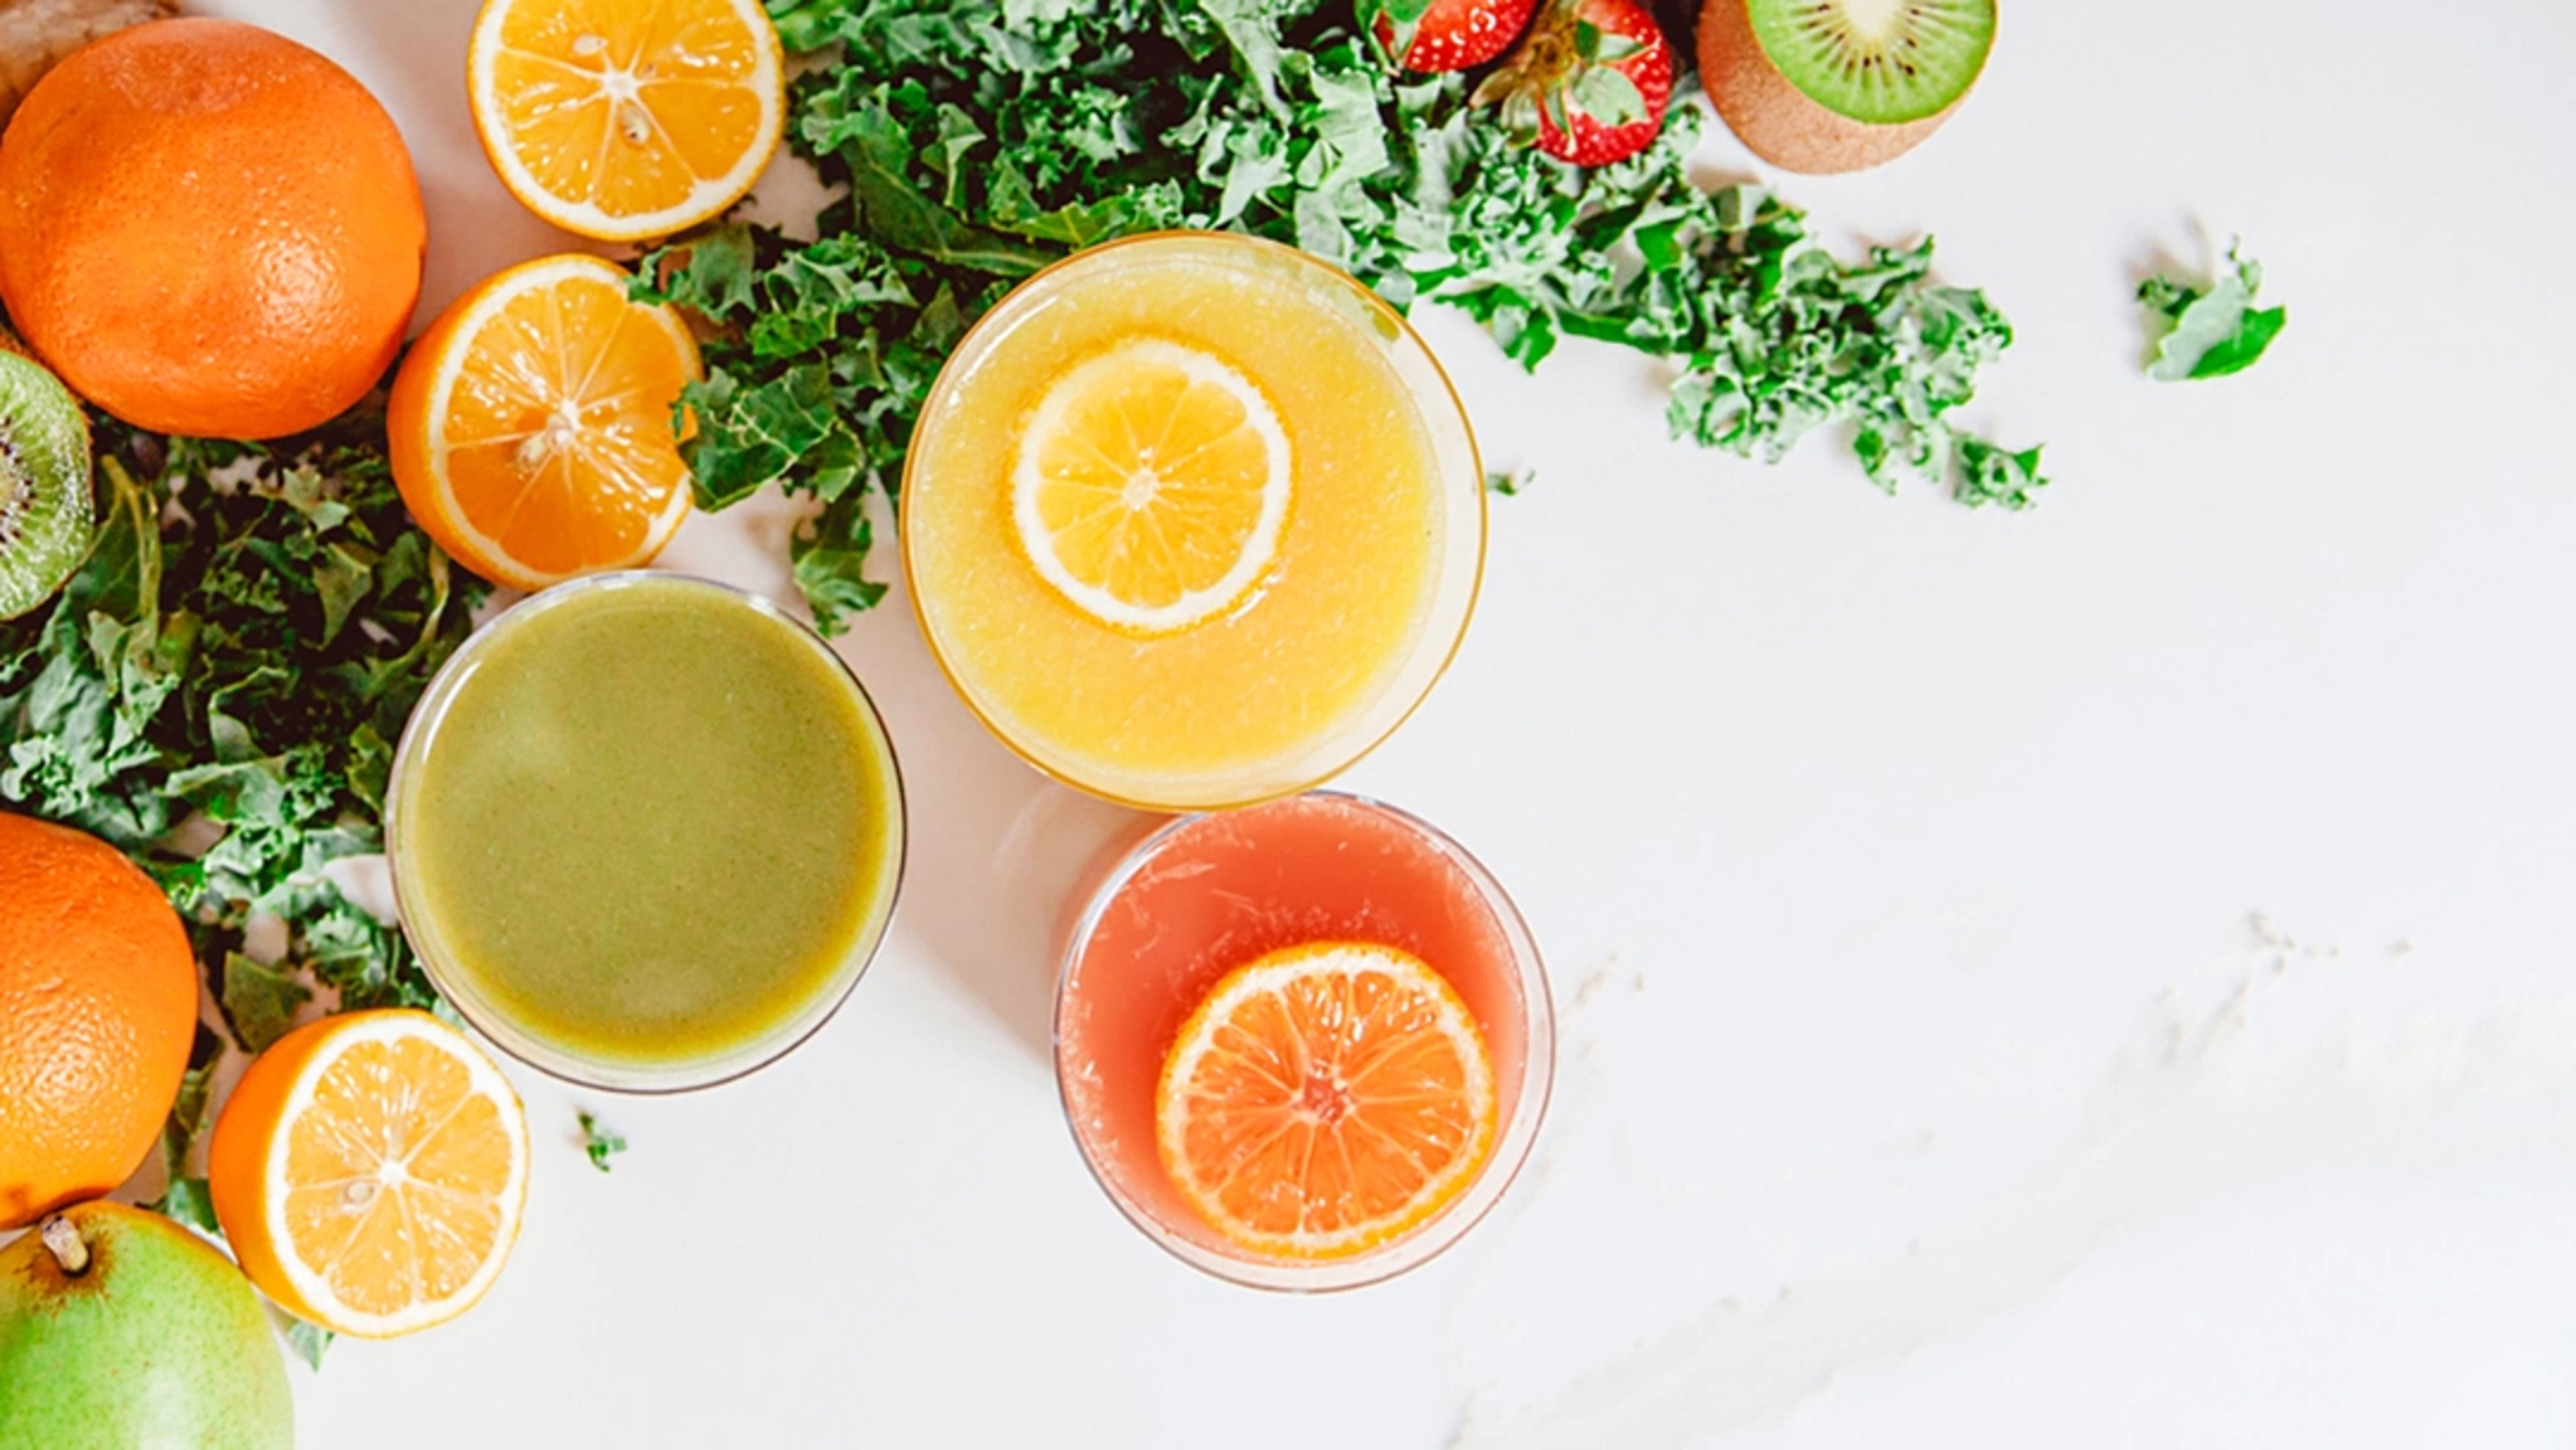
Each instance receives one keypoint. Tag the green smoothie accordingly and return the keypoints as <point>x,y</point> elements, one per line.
<point>645,831</point>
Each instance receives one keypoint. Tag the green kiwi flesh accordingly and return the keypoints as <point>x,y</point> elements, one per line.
<point>1881,62</point>
<point>45,512</point>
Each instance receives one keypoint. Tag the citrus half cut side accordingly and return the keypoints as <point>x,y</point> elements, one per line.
<point>624,121</point>
<point>370,1171</point>
<point>531,427</point>
<point>1150,486</point>
<point>1326,1099</point>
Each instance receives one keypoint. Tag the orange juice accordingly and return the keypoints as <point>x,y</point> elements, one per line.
<point>1192,520</point>
<point>1206,895</point>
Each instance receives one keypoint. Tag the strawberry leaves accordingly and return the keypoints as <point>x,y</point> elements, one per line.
<point>1589,84</point>
<point>1601,90</point>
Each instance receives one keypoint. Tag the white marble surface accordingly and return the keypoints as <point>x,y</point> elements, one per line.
<point>2101,977</point>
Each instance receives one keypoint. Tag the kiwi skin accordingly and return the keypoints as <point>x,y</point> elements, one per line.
<point>1775,120</point>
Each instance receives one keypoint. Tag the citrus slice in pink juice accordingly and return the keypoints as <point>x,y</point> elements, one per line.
<point>1325,1099</point>
<point>1207,895</point>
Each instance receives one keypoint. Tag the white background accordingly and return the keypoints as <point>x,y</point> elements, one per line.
<point>2099,977</point>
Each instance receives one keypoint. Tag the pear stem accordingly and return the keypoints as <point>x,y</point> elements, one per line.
<point>64,1242</point>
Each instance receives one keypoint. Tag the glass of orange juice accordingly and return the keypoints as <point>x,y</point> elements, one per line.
<point>1193,520</point>
<point>1304,1045</point>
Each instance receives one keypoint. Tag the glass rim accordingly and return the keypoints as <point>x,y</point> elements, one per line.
<point>1427,1241</point>
<point>567,1067</point>
<point>1476,582</point>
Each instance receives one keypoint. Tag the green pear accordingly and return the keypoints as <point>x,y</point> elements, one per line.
<point>120,1330</point>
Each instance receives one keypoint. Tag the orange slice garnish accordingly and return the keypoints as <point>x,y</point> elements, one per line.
<point>1326,1099</point>
<point>1150,486</point>
<point>531,430</point>
<point>622,120</point>
<point>369,1172</point>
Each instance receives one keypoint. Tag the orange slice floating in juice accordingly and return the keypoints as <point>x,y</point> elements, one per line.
<point>1150,485</point>
<point>369,1172</point>
<point>1326,1099</point>
<point>623,121</point>
<point>530,428</point>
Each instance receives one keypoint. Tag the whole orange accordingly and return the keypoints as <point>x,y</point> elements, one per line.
<point>209,229</point>
<point>98,1006</point>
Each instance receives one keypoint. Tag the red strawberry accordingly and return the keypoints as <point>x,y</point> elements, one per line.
<point>1590,83</point>
<point>1445,35</point>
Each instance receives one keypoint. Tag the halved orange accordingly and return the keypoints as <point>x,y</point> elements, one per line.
<point>1150,486</point>
<point>369,1172</point>
<point>1325,1099</point>
<point>531,428</point>
<point>624,120</point>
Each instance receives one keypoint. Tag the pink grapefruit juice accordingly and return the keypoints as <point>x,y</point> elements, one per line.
<point>1207,894</point>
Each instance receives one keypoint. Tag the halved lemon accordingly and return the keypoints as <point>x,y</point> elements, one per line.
<point>626,119</point>
<point>369,1172</point>
<point>1150,486</point>
<point>531,430</point>
<point>1326,1099</point>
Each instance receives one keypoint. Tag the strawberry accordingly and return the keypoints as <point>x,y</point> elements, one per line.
<point>1589,84</point>
<point>1446,35</point>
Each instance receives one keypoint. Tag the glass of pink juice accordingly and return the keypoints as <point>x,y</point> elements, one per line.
<point>1206,894</point>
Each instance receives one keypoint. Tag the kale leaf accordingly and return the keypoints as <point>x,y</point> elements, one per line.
<point>2209,332</point>
<point>309,1341</point>
<point>185,1197</point>
<point>600,1141</point>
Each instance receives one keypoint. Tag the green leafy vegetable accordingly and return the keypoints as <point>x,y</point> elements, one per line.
<point>1988,474</point>
<point>185,1196</point>
<point>309,1341</point>
<point>259,1001</point>
<point>599,1141</point>
<point>191,1202</point>
<point>215,693</point>
<point>2209,332</point>
<point>979,143</point>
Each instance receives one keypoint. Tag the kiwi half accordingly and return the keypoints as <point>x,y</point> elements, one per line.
<point>1838,85</point>
<point>46,521</point>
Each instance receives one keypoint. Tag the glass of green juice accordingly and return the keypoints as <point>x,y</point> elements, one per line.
<point>646,831</point>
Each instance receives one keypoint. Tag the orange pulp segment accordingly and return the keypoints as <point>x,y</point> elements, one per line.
<point>623,121</point>
<point>1326,1099</point>
<point>531,427</point>
<point>369,1172</point>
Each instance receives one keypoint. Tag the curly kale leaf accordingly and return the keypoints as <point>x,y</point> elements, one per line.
<point>2211,331</point>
